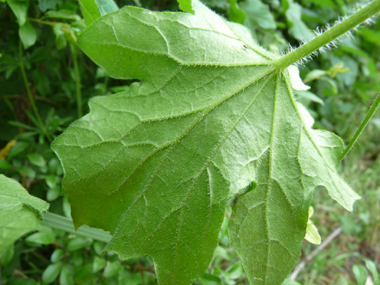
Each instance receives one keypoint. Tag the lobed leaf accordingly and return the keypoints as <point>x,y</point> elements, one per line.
<point>19,212</point>
<point>156,165</point>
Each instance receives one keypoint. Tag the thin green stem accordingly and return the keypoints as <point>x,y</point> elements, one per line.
<point>364,123</point>
<point>74,54</point>
<point>65,224</point>
<point>65,27</point>
<point>43,22</point>
<point>329,35</point>
<point>30,96</point>
<point>9,104</point>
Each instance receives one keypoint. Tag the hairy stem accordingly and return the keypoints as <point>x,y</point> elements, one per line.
<point>65,224</point>
<point>364,123</point>
<point>30,95</point>
<point>329,35</point>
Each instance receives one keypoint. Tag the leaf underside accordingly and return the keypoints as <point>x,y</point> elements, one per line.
<point>156,165</point>
<point>19,212</point>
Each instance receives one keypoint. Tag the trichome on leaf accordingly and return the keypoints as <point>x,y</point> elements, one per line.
<point>157,164</point>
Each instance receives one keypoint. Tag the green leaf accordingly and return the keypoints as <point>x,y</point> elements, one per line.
<point>53,193</point>
<point>298,28</point>
<point>63,14</point>
<point>106,6</point>
<point>90,10</point>
<point>84,275</point>
<point>4,164</point>
<point>93,9</point>
<point>372,268</point>
<point>348,77</point>
<point>37,159</point>
<point>28,171</point>
<point>112,269</point>
<point>308,96</point>
<point>20,213</point>
<point>186,6</point>
<point>98,264</point>
<point>209,279</point>
<point>312,234</point>
<point>44,236</point>
<point>18,148</point>
<point>325,3</point>
<point>60,37</point>
<point>41,81</point>
<point>20,9</point>
<point>6,255</point>
<point>78,243</point>
<point>51,180</point>
<point>66,276</point>
<point>28,35</point>
<point>235,271</point>
<point>258,14</point>
<point>77,258</point>
<point>98,247</point>
<point>221,4</point>
<point>360,273</point>
<point>156,164</point>
<point>51,272</point>
<point>45,5</point>
<point>57,255</point>
<point>235,13</point>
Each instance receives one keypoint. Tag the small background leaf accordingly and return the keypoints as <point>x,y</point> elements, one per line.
<point>257,14</point>
<point>51,272</point>
<point>360,273</point>
<point>20,9</point>
<point>186,6</point>
<point>90,10</point>
<point>299,30</point>
<point>106,6</point>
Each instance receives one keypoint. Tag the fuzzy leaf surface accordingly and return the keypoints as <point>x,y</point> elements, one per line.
<point>156,165</point>
<point>20,212</point>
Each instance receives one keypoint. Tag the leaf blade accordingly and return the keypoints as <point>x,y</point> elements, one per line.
<point>19,212</point>
<point>90,11</point>
<point>179,144</point>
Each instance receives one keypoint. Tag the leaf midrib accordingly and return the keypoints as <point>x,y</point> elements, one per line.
<point>255,79</point>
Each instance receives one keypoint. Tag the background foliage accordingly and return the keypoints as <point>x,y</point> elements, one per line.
<point>45,83</point>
